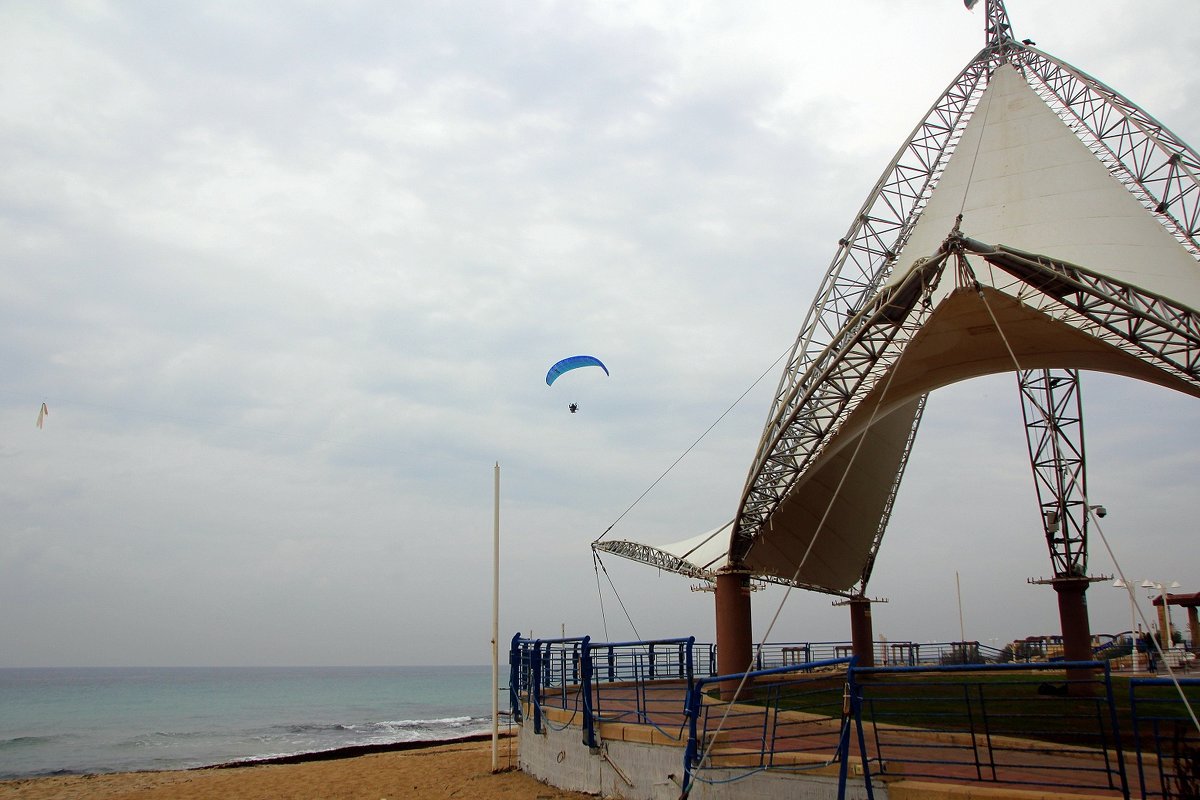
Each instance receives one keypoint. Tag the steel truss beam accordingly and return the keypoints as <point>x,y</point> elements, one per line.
<point>862,352</point>
<point>652,556</point>
<point>1144,324</point>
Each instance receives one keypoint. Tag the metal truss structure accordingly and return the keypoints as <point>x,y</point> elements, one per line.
<point>1149,326</point>
<point>652,556</point>
<point>1160,170</point>
<point>1050,403</point>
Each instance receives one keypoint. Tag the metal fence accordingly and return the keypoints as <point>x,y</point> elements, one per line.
<point>641,682</point>
<point>1030,725</point>
<point>1164,730</point>
<point>1022,725</point>
<point>789,718</point>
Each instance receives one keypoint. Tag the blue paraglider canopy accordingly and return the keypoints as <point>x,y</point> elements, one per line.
<point>573,362</point>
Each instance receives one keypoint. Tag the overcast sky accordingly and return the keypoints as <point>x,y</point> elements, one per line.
<point>289,276</point>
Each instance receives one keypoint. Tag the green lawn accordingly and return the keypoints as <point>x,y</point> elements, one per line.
<point>1013,703</point>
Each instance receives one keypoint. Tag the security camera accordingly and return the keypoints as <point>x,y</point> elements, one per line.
<point>1101,511</point>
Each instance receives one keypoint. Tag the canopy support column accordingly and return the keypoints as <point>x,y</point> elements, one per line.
<point>735,639</point>
<point>862,635</point>
<point>1076,630</point>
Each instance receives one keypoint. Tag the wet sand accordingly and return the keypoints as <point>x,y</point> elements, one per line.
<point>462,769</point>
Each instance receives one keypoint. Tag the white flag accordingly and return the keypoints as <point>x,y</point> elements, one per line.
<point>43,412</point>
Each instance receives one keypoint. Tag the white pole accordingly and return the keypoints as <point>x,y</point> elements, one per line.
<point>1133,631</point>
<point>496,625</point>
<point>962,631</point>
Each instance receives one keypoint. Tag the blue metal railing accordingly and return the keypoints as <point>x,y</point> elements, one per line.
<point>995,723</point>
<point>1168,752</point>
<point>641,682</point>
<point>637,682</point>
<point>1031,725</point>
<point>546,673</point>
<point>780,716</point>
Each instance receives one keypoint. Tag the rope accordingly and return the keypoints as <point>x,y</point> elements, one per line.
<point>975,156</point>
<point>600,594</point>
<point>693,445</point>
<point>616,594</point>
<point>598,564</point>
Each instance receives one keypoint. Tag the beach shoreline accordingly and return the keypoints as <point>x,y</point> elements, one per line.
<point>436,770</point>
<point>349,751</point>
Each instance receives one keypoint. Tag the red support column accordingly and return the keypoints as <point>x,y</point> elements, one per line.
<point>862,637</point>
<point>1076,631</point>
<point>735,637</point>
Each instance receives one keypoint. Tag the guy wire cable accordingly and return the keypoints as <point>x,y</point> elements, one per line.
<point>616,594</point>
<point>600,594</point>
<point>812,542</point>
<point>692,446</point>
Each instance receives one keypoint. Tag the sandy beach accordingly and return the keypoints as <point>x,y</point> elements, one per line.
<point>456,770</point>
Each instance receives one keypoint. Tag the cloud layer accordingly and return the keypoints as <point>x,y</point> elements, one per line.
<point>289,278</point>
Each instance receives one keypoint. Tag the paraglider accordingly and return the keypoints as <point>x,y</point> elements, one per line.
<point>573,362</point>
<point>570,363</point>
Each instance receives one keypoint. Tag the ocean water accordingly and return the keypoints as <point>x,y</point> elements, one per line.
<point>59,721</point>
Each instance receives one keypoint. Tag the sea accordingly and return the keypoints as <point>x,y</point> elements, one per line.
<point>56,721</point>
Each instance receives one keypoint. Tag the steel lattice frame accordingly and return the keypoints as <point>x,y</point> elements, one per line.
<point>652,556</point>
<point>1157,167</point>
<point>1149,326</point>
<point>1053,411</point>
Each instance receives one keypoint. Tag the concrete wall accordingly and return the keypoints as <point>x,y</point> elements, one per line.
<point>636,762</point>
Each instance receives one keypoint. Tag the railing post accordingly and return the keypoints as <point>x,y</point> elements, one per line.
<point>852,712</point>
<point>535,690</point>
<point>691,711</point>
<point>589,717</point>
<point>514,678</point>
<point>690,666</point>
<point>650,662</point>
<point>1136,738</point>
<point>1116,729</point>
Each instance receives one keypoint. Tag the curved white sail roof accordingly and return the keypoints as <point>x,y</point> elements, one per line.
<point>1020,177</point>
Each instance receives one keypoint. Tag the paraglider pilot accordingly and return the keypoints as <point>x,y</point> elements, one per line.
<point>574,407</point>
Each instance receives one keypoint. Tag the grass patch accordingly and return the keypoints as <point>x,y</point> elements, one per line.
<point>1035,705</point>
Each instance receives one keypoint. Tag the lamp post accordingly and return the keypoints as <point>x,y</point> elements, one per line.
<point>1133,626</point>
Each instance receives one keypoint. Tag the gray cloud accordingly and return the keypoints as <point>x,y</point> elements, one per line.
<point>289,279</point>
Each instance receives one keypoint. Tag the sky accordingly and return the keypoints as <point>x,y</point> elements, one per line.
<point>288,278</point>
